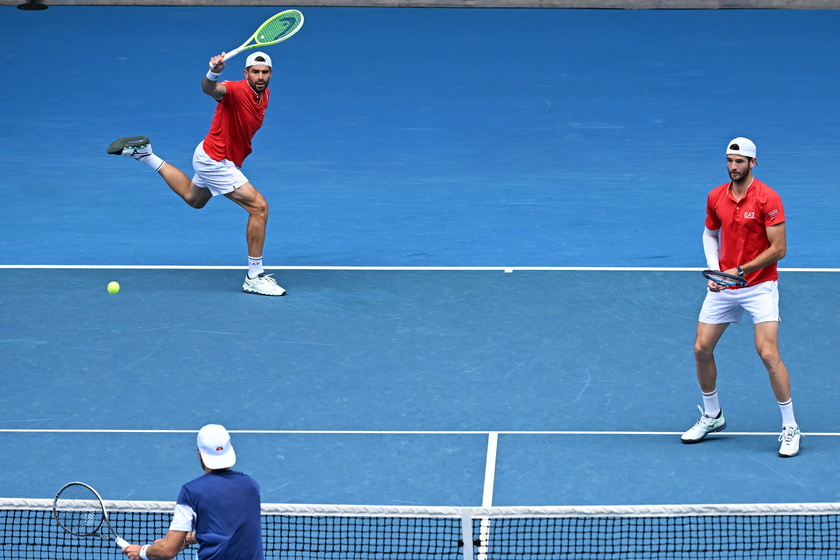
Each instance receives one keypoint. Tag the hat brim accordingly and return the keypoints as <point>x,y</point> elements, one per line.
<point>216,462</point>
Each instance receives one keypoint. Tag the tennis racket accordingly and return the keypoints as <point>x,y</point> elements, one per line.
<point>275,29</point>
<point>724,279</point>
<point>79,510</point>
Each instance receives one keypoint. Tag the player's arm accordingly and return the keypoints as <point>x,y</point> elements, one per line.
<point>210,84</point>
<point>711,248</point>
<point>777,235</point>
<point>164,549</point>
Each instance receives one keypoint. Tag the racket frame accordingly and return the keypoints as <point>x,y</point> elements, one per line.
<point>245,46</point>
<point>724,279</point>
<point>122,543</point>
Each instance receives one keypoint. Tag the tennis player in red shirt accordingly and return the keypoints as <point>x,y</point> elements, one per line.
<point>744,235</point>
<point>218,158</point>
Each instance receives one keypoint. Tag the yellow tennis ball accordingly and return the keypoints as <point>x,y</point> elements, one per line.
<point>113,287</point>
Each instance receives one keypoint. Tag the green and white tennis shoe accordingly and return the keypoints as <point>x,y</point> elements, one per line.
<point>705,426</point>
<point>263,285</point>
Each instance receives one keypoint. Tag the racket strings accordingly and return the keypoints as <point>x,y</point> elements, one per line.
<point>79,510</point>
<point>725,280</point>
<point>278,28</point>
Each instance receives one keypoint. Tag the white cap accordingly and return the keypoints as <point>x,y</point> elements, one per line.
<point>215,448</point>
<point>252,59</point>
<point>741,146</point>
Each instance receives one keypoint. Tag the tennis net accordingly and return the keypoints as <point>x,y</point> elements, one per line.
<point>322,532</point>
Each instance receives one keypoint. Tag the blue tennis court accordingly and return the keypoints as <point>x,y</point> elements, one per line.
<point>407,168</point>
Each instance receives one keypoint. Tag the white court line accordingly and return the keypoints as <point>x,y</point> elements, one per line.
<point>421,268</point>
<point>490,469</point>
<point>494,433</point>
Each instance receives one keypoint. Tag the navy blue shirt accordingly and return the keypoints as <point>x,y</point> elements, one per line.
<point>222,508</point>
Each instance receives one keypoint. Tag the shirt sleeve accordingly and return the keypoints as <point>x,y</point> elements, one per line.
<point>230,92</point>
<point>774,211</point>
<point>712,221</point>
<point>183,519</point>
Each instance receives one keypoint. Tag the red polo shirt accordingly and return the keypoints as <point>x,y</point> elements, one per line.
<point>239,114</point>
<point>743,226</point>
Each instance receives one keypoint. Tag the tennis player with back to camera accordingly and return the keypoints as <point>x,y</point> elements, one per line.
<point>217,160</point>
<point>745,235</point>
<point>219,510</point>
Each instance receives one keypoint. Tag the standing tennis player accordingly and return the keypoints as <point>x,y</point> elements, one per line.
<point>218,158</point>
<point>220,510</point>
<point>744,235</point>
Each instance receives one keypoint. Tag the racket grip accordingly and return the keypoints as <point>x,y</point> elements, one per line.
<point>122,543</point>
<point>231,54</point>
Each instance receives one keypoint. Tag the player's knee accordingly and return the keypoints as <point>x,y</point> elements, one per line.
<point>260,208</point>
<point>197,198</point>
<point>770,357</point>
<point>703,351</point>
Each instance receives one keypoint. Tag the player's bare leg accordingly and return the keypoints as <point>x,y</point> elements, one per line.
<point>707,338</point>
<point>257,281</point>
<point>184,187</point>
<point>704,354</point>
<point>140,148</point>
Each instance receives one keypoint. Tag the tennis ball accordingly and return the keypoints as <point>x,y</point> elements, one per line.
<point>113,287</point>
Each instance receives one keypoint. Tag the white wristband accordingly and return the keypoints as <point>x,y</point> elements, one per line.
<point>143,550</point>
<point>212,76</point>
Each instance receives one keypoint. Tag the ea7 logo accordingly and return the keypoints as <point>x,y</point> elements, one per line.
<point>749,215</point>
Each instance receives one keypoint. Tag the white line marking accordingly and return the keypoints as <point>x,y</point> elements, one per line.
<point>396,432</point>
<point>421,268</point>
<point>490,469</point>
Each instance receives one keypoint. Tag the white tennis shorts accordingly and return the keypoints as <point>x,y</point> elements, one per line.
<point>727,306</point>
<point>221,177</point>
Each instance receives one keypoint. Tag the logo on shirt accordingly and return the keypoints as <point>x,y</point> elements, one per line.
<point>749,215</point>
<point>773,214</point>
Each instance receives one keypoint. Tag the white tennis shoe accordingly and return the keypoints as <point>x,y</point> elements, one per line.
<point>263,285</point>
<point>705,426</point>
<point>790,441</point>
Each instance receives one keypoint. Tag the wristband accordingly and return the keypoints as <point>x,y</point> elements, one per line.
<point>143,550</point>
<point>740,271</point>
<point>212,76</point>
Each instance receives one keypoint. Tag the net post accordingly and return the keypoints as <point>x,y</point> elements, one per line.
<point>467,532</point>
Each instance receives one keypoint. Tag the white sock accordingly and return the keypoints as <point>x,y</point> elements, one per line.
<point>255,266</point>
<point>711,404</point>
<point>787,413</point>
<point>153,161</point>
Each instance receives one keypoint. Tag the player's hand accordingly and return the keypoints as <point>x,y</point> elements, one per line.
<point>189,540</point>
<point>132,551</point>
<point>714,286</point>
<point>217,63</point>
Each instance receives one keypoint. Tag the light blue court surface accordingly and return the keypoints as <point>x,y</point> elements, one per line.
<point>455,353</point>
<point>413,138</point>
<point>420,137</point>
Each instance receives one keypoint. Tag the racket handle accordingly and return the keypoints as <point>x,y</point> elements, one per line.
<point>122,543</point>
<point>231,54</point>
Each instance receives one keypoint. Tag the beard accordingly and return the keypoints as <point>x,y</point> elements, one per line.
<point>737,175</point>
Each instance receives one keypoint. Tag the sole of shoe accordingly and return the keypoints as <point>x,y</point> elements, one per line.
<point>259,293</point>
<point>117,146</point>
